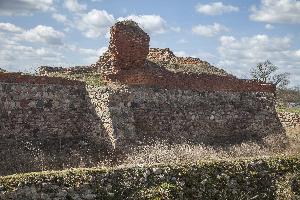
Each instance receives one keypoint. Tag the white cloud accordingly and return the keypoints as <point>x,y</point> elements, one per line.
<point>74,6</point>
<point>269,26</point>
<point>92,55</point>
<point>24,7</point>
<point>39,34</point>
<point>277,11</point>
<point>175,29</point>
<point>209,30</point>
<point>59,17</point>
<point>150,23</point>
<point>239,55</point>
<point>216,8</point>
<point>95,23</point>
<point>63,19</point>
<point>30,57</point>
<point>297,53</point>
<point>182,41</point>
<point>10,27</point>
<point>44,34</point>
<point>17,54</point>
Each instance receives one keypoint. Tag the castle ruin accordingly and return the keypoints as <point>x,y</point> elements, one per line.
<point>147,96</point>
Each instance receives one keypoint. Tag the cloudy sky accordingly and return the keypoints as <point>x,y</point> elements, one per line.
<point>233,35</point>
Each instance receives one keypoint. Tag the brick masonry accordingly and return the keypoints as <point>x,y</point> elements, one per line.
<point>125,62</point>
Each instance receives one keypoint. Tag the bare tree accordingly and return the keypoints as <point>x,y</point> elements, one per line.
<point>266,72</point>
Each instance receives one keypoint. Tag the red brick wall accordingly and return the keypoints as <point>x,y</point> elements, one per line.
<point>128,50</point>
<point>129,45</point>
<point>167,79</point>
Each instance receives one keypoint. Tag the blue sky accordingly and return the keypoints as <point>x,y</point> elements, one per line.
<point>233,35</point>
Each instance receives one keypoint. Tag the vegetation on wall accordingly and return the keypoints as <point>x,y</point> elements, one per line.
<point>274,178</point>
<point>267,73</point>
<point>90,78</point>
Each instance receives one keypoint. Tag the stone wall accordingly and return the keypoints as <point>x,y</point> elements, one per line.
<point>271,178</point>
<point>151,114</point>
<point>48,123</point>
<point>68,123</point>
<point>289,120</point>
<point>47,70</point>
<point>35,107</point>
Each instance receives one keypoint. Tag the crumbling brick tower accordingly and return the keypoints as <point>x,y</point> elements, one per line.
<point>128,48</point>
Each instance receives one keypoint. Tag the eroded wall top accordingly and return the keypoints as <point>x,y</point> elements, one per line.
<point>126,62</point>
<point>19,78</point>
<point>130,61</point>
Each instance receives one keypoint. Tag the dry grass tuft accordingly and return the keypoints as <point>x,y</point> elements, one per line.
<point>183,154</point>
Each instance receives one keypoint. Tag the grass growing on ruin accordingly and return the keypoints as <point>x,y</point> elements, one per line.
<point>90,78</point>
<point>178,154</point>
<point>180,171</point>
<point>290,110</point>
<point>163,153</point>
<point>273,178</point>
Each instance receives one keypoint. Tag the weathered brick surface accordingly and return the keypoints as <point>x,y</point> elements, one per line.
<point>165,55</point>
<point>125,62</point>
<point>162,78</point>
<point>167,59</point>
<point>129,46</point>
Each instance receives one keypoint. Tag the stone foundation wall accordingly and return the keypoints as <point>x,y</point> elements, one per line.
<point>142,102</point>
<point>147,114</point>
<point>271,178</point>
<point>44,110</point>
<point>48,123</point>
<point>289,120</point>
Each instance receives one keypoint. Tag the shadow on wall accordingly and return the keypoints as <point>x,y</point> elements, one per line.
<point>209,109</point>
<point>46,126</point>
<point>49,126</point>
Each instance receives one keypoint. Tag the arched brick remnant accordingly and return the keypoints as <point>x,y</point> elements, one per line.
<point>129,45</point>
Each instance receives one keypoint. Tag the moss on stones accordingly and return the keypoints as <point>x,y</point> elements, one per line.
<point>239,179</point>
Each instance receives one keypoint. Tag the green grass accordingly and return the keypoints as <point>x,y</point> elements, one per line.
<point>91,78</point>
<point>272,178</point>
<point>291,110</point>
